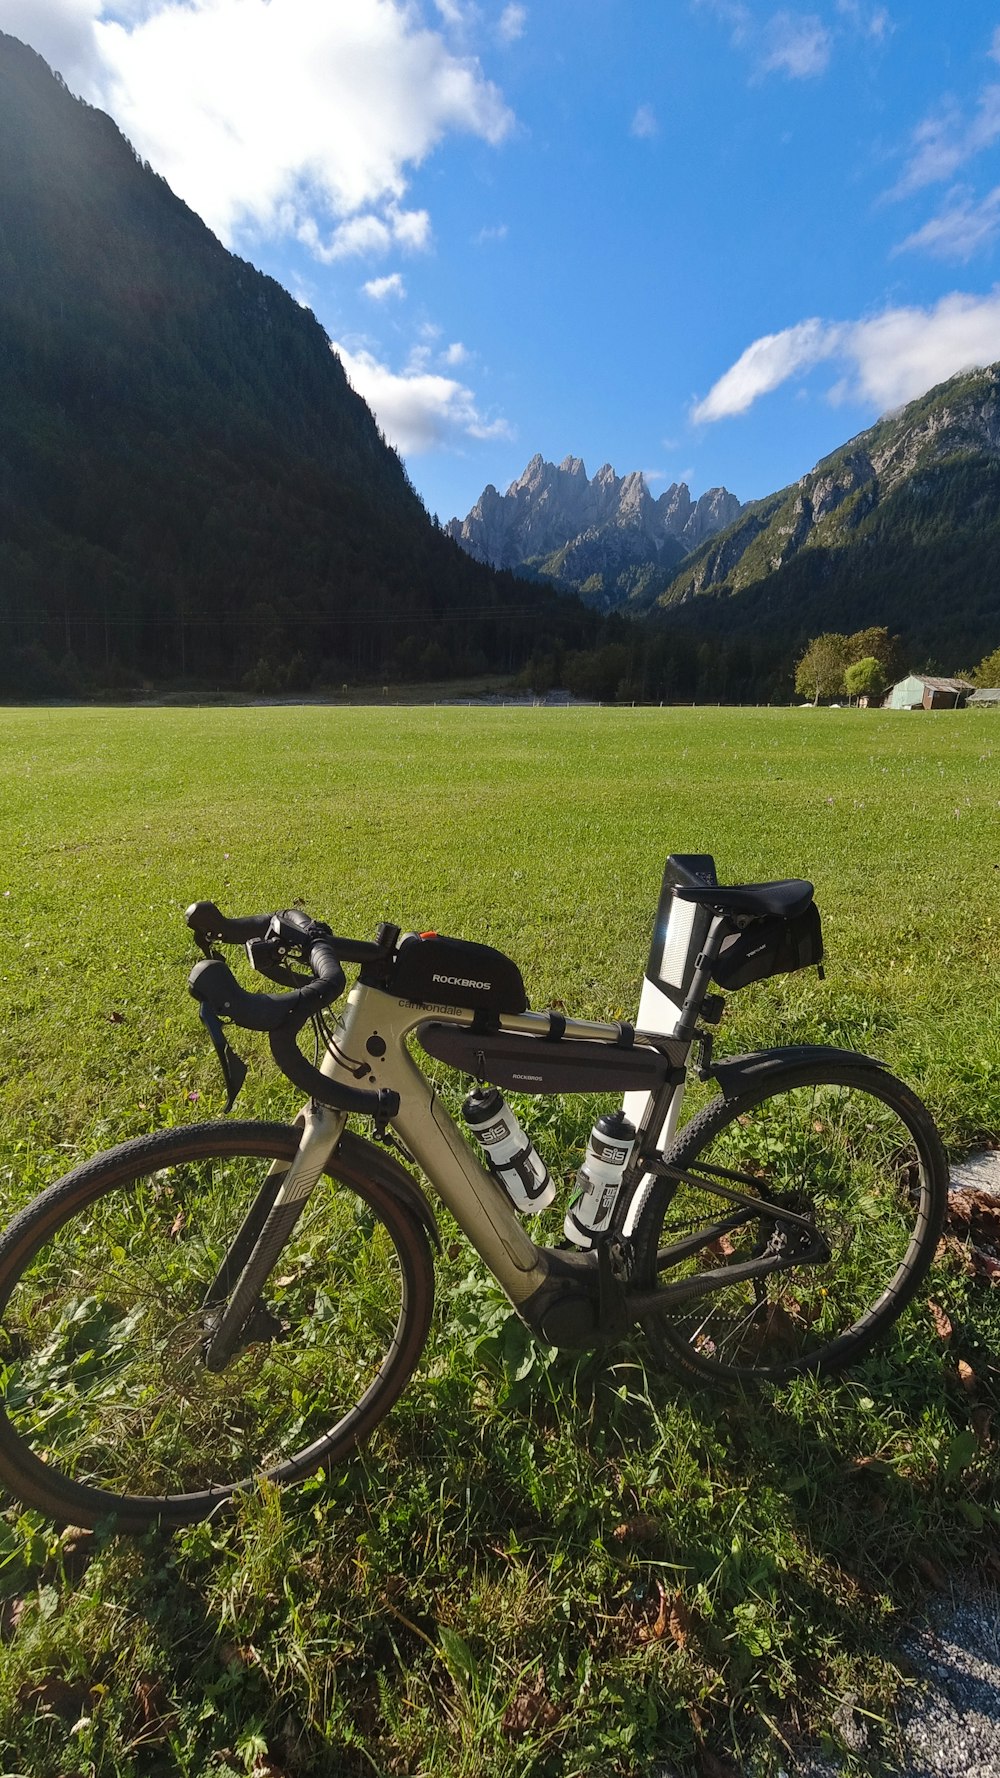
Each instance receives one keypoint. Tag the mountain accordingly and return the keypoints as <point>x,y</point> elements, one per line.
<point>900,527</point>
<point>608,538</point>
<point>188,484</point>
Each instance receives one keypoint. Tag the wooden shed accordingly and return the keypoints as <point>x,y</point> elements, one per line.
<point>921,692</point>
<point>987,695</point>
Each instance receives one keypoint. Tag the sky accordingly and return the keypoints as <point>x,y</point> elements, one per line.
<point>707,239</point>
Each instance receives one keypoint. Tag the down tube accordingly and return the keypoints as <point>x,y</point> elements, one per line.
<point>478,1204</point>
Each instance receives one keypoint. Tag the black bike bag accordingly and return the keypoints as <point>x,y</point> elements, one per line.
<point>437,971</point>
<point>547,1065</point>
<point>773,945</point>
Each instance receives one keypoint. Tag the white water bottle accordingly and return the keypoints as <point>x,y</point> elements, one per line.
<point>510,1154</point>
<point>598,1182</point>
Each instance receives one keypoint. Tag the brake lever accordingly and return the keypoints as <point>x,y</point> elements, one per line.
<point>234,1069</point>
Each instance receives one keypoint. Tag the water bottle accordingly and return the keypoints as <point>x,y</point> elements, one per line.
<point>510,1154</point>
<point>598,1182</point>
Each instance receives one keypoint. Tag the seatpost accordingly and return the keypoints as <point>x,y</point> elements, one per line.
<point>685,1027</point>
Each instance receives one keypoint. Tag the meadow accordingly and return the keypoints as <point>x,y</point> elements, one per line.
<point>539,1565</point>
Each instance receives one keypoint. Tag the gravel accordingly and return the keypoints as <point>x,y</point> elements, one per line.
<point>950,1722</point>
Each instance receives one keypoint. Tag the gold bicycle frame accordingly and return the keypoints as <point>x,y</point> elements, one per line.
<point>368,1047</point>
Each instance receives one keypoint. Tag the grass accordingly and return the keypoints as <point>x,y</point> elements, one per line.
<point>540,1565</point>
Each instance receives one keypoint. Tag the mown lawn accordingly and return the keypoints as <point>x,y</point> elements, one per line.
<point>537,1566</point>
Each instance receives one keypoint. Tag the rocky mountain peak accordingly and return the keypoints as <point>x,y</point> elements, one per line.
<point>604,533</point>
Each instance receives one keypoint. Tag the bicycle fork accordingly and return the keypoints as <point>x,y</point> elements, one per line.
<point>265,1230</point>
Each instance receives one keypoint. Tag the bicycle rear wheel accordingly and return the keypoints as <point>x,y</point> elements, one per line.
<point>108,1409</point>
<point>852,1151</point>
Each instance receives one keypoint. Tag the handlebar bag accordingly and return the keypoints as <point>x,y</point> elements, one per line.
<point>438,971</point>
<point>769,946</point>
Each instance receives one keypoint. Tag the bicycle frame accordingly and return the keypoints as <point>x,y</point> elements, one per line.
<point>569,1298</point>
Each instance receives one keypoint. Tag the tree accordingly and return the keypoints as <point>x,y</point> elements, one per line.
<point>820,671</point>
<point>865,679</point>
<point>878,644</point>
<point>988,671</point>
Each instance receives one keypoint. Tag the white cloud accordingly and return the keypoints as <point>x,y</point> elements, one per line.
<point>765,364</point>
<point>887,359</point>
<point>368,235</point>
<point>873,22</point>
<point>511,23</point>
<point>794,43</point>
<point>497,233</point>
<point>379,288</point>
<point>644,124</point>
<point>960,229</point>
<point>272,115</point>
<point>418,409</point>
<point>946,140</point>
<point>455,354</point>
<point>60,30</point>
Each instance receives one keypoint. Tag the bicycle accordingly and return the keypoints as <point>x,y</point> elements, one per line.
<point>188,1312</point>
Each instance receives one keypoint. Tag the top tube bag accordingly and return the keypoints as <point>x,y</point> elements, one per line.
<point>438,971</point>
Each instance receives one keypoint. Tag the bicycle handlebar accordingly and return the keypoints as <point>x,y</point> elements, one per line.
<point>283,1015</point>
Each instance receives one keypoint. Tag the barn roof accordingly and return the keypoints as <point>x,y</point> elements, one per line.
<point>942,684</point>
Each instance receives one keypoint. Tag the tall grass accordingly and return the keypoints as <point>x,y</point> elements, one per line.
<point>539,1565</point>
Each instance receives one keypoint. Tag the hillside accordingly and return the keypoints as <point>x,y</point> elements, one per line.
<point>188,485</point>
<point>901,527</point>
<point>606,538</point>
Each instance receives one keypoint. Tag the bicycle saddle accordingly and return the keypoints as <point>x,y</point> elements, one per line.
<point>788,898</point>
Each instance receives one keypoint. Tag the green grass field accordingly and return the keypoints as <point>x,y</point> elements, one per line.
<point>538,1565</point>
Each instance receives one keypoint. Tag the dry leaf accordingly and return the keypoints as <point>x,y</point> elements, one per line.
<point>158,1715</point>
<point>942,1324</point>
<point>967,1376</point>
<point>977,1211</point>
<point>981,1421</point>
<point>116,1018</point>
<point>531,1711</point>
<point>951,1247</point>
<point>711,1766</point>
<point>679,1621</point>
<point>55,1696</point>
<point>722,1248</point>
<point>11,1613</point>
<point>178,1223</point>
<point>652,1632</point>
<point>933,1573</point>
<point>637,1530</point>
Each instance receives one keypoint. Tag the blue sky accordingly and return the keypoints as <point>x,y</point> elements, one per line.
<point>708,239</point>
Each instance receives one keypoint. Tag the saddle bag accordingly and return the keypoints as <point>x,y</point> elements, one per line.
<point>770,946</point>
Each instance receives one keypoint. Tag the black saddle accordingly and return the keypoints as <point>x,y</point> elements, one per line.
<point>788,898</point>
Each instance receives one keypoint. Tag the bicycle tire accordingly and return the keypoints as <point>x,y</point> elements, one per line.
<point>108,1413</point>
<point>849,1147</point>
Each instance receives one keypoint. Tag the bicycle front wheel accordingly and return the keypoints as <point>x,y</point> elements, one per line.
<point>855,1155</point>
<point>108,1409</point>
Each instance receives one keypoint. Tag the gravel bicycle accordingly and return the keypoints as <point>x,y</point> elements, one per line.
<point>200,1308</point>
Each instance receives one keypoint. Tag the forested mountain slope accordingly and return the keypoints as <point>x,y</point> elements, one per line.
<point>188,485</point>
<point>901,527</point>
